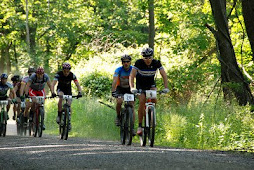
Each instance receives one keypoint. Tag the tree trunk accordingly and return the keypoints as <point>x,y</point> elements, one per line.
<point>151,23</point>
<point>232,78</point>
<point>248,15</point>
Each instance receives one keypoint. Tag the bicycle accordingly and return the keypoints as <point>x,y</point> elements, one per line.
<point>65,118</point>
<point>38,116</point>
<point>126,119</point>
<point>149,120</point>
<point>3,117</point>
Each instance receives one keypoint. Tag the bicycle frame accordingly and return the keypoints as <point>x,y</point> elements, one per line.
<point>39,111</point>
<point>150,94</point>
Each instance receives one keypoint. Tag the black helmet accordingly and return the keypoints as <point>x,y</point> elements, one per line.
<point>31,70</point>
<point>147,52</point>
<point>16,78</point>
<point>4,76</point>
<point>126,57</point>
<point>66,66</point>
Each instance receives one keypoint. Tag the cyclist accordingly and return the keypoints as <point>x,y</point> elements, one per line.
<point>4,87</point>
<point>24,81</point>
<point>16,82</point>
<point>64,78</point>
<point>144,71</point>
<point>35,86</point>
<point>120,84</point>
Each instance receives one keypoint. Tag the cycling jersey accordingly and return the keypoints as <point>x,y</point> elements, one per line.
<point>36,83</point>
<point>4,89</point>
<point>64,82</point>
<point>123,77</point>
<point>145,74</point>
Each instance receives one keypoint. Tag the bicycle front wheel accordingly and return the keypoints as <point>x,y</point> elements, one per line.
<point>35,122</point>
<point>129,125</point>
<point>4,125</point>
<point>144,133</point>
<point>40,121</point>
<point>122,126</point>
<point>67,115</point>
<point>151,128</point>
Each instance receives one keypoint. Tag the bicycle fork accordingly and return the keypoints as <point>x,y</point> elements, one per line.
<point>148,106</point>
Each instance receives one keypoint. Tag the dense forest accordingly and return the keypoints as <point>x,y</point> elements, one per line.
<point>205,46</point>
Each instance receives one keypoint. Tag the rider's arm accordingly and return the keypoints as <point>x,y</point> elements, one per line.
<point>132,76</point>
<point>78,85</point>
<point>164,76</point>
<point>50,86</point>
<point>53,84</point>
<point>22,88</point>
<point>27,87</point>
<point>13,93</point>
<point>113,88</point>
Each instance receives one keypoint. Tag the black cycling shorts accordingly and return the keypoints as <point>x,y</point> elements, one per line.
<point>120,90</point>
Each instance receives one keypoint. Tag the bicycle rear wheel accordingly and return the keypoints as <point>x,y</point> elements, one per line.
<point>40,121</point>
<point>122,125</point>
<point>62,124</point>
<point>151,128</point>
<point>129,125</point>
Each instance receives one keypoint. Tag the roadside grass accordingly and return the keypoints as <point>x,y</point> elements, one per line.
<point>214,126</point>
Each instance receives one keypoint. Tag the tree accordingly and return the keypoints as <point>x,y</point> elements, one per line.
<point>248,14</point>
<point>151,23</point>
<point>231,76</point>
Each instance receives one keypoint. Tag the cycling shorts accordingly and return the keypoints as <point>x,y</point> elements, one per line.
<point>120,90</point>
<point>36,93</point>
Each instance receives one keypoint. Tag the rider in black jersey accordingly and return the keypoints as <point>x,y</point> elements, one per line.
<point>144,70</point>
<point>64,79</point>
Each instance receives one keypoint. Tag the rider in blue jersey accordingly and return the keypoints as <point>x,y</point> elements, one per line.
<point>120,84</point>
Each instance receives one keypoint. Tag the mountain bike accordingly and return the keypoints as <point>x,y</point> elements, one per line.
<point>3,117</point>
<point>149,120</point>
<point>38,116</point>
<point>65,118</point>
<point>126,119</point>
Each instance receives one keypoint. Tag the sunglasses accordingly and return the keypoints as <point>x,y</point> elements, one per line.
<point>125,61</point>
<point>148,58</point>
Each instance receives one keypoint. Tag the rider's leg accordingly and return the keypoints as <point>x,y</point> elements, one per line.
<point>141,112</point>
<point>60,105</point>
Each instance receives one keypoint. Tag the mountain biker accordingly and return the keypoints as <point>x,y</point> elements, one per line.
<point>16,82</point>
<point>120,84</point>
<point>4,87</point>
<point>144,71</point>
<point>35,86</point>
<point>64,78</point>
<point>24,81</point>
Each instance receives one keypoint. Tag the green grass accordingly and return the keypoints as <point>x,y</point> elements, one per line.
<point>184,126</point>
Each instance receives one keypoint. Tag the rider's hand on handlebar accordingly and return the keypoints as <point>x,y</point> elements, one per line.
<point>79,94</point>
<point>114,94</point>
<point>134,90</point>
<point>166,90</point>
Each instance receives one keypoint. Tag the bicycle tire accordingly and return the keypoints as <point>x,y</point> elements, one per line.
<point>35,122</point>
<point>30,125</point>
<point>67,115</point>
<point>40,121</point>
<point>122,125</point>
<point>144,133</point>
<point>4,125</point>
<point>130,125</point>
<point>62,124</point>
<point>151,128</point>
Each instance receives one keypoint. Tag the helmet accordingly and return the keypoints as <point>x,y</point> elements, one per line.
<point>147,52</point>
<point>4,76</point>
<point>126,57</point>
<point>40,70</point>
<point>31,70</point>
<point>16,78</point>
<point>66,66</point>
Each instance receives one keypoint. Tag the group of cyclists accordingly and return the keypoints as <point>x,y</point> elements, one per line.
<point>144,71</point>
<point>33,85</point>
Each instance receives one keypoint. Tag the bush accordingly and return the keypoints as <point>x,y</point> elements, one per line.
<point>96,84</point>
